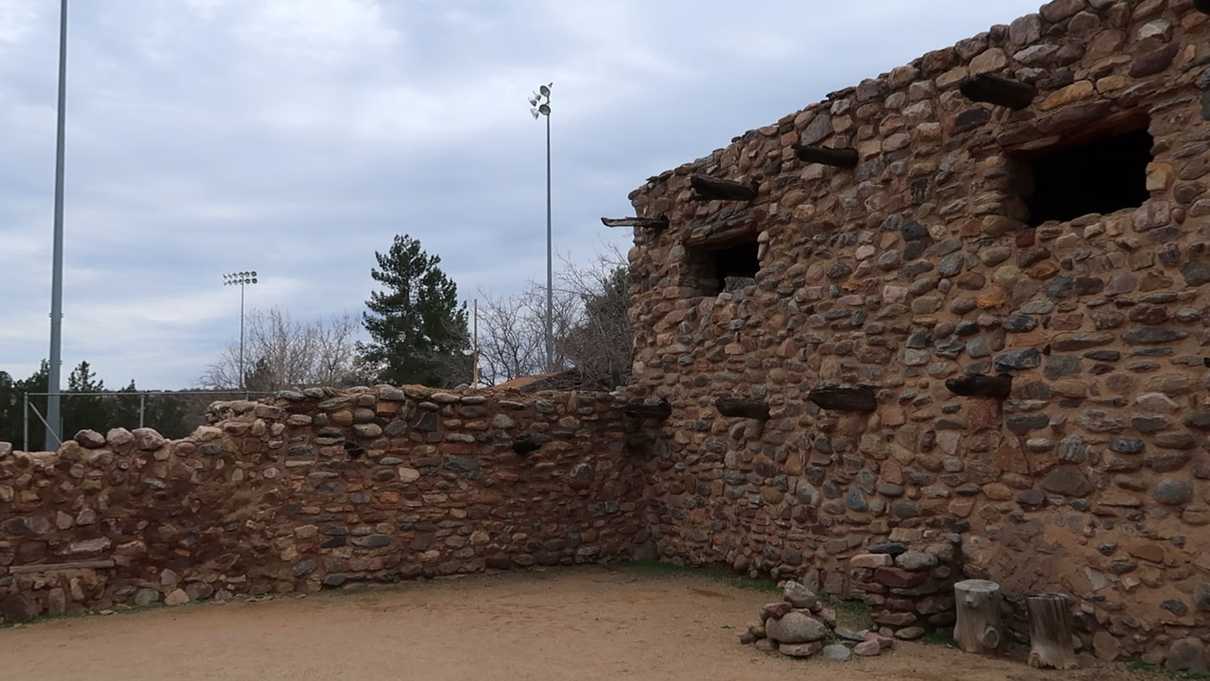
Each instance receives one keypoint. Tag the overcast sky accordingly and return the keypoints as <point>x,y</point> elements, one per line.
<point>296,137</point>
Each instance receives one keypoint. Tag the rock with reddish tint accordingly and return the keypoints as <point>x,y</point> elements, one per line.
<point>766,645</point>
<point>796,627</point>
<point>799,596</point>
<point>871,560</point>
<point>90,439</point>
<point>868,648</point>
<point>776,610</point>
<point>147,439</point>
<point>118,437</point>
<point>800,650</point>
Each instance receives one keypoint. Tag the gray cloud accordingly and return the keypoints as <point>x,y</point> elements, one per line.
<point>297,136</point>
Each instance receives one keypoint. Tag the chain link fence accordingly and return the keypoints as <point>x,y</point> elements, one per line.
<point>174,414</point>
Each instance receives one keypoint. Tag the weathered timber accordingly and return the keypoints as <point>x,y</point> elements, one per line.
<point>998,90</point>
<point>741,408</point>
<point>973,385</point>
<point>839,158</point>
<point>51,567</point>
<point>1050,643</point>
<point>710,188</point>
<point>977,602</point>
<point>659,409</point>
<point>844,397</point>
<point>660,223</point>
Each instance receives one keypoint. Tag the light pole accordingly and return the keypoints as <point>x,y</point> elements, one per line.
<point>240,279</point>
<point>54,421</point>
<point>540,106</point>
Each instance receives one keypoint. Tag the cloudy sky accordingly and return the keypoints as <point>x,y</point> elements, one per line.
<point>296,137</point>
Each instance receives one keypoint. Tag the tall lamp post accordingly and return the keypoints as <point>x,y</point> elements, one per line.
<point>54,421</point>
<point>240,279</point>
<point>540,106</point>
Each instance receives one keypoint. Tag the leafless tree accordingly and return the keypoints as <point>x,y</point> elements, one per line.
<point>281,352</point>
<point>591,326</point>
<point>600,342</point>
<point>512,332</point>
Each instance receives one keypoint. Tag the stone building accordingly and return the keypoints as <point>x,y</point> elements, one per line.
<point>1023,216</point>
<point>959,308</point>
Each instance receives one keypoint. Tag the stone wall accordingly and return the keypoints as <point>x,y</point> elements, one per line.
<point>317,489</point>
<point>923,263</point>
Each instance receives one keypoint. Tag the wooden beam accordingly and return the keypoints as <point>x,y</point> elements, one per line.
<point>659,409</point>
<point>51,567</point>
<point>741,408</point>
<point>972,385</point>
<point>710,188</point>
<point>844,397</point>
<point>998,90</point>
<point>839,158</point>
<point>659,223</point>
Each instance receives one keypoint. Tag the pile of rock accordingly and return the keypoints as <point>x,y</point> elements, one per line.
<point>800,625</point>
<point>908,581</point>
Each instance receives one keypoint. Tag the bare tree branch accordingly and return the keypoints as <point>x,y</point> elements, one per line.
<point>280,352</point>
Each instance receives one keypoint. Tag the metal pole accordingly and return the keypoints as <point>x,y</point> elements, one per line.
<point>550,306</point>
<point>241,336</point>
<point>25,423</point>
<point>142,405</point>
<point>53,418</point>
<point>475,350</point>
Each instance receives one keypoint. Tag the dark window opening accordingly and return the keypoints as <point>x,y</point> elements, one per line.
<point>1103,175</point>
<point>714,269</point>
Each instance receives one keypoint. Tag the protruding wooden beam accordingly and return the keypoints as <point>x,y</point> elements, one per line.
<point>844,397</point>
<point>659,409</point>
<point>740,408</point>
<point>998,90</point>
<point>710,188</point>
<point>972,385</point>
<point>838,158</point>
<point>52,567</point>
<point>659,223</point>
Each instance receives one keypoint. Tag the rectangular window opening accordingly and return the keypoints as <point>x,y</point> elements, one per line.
<point>717,268</point>
<point>1100,174</point>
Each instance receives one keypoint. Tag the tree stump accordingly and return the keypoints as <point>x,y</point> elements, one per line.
<point>978,604</point>
<point>1050,632</point>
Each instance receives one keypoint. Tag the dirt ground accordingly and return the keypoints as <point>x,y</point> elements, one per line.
<point>556,625</point>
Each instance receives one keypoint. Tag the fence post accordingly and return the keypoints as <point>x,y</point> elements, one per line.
<point>25,422</point>
<point>142,404</point>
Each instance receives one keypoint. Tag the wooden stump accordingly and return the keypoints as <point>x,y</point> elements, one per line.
<point>978,604</point>
<point>1050,632</point>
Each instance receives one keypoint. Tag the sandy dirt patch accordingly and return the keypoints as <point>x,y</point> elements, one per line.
<point>556,625</point>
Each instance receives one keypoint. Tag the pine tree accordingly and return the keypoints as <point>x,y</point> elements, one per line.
<point>418,328</point>
<point>84,411</point>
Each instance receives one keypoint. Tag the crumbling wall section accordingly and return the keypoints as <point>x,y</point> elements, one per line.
<point>321,488</point>
<point>915,257</point>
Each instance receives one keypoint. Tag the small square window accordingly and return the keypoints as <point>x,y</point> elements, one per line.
<point>723,267</point>
<point>1101,175</point>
